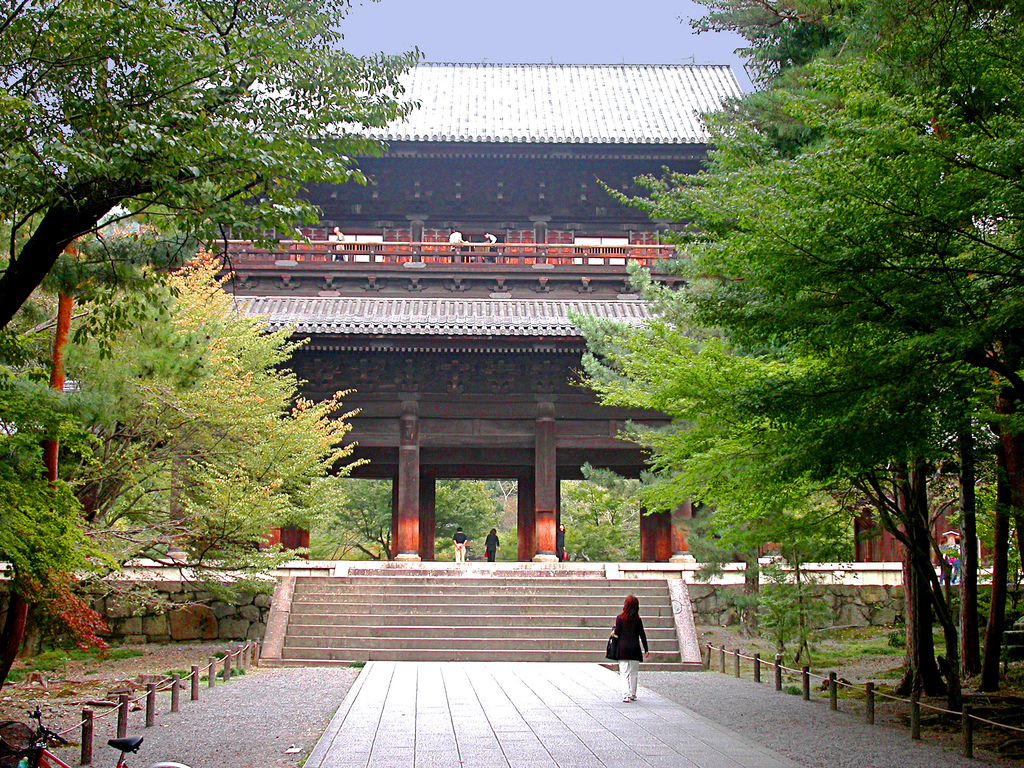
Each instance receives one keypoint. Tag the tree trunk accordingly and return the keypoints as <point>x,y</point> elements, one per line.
<point>13,631</point>
<point>970,652</point>
<point>922,672</point>
<point>58,228</point>
<point>1000,575</point>
<point>751,588</point>
<point>60,340</point>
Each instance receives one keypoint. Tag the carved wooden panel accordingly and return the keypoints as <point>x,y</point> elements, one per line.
<point>438,373</point>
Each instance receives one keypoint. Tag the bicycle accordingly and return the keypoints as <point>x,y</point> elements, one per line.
<point>21,746</point>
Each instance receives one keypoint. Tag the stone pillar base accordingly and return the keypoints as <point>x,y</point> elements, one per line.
<point>408,557</point>
<point>682,557</point>
<point>541,557</point>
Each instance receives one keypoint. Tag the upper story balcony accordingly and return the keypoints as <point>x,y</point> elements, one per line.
<point>342,255</point>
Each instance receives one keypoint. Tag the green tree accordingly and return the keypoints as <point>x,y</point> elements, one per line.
<point>204,444</point>
<point>214,113</point>
<point>601,515</point>
<point>874,255</point>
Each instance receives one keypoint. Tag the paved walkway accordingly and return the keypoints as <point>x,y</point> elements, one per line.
<point>485,715</point>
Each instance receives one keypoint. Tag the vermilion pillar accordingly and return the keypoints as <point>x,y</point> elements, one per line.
<point>655,537</point>
<point>407,533</point>
<point>526,518</point>
<point>428,497</point>
<point>681,516</point>
<point>545,483</point>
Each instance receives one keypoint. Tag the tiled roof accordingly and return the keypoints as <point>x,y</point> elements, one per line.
<point>562,103</point>
<point>439,317</point>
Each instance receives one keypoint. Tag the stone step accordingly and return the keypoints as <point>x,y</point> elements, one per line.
<point>483,570</point>
<point>504,591</point>
<point>591,645</point>
<point>348,655</point>
<point>651,623</point>
<point>518,609</point>
<point>519,633</point>
<point>626,585</point>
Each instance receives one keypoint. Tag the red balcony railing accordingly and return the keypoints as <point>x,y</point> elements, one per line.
<point>345,254</point>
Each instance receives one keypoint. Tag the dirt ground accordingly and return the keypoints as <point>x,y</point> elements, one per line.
<point>1006,706</point>
<point>62,694</point>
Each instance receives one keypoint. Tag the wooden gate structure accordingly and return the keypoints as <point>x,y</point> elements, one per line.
<point>445,291</point>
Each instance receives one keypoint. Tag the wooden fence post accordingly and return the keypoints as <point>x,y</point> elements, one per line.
<point>227,666</point>
<point>256,653</point>
<point>833,699</point>
<point>122,715</point>
<point>736,664</point>
<point>968,731</point>
<point>778,671</point>
<point>212,676</point>
<point>805,678</point>
<point>722,654</point>
<point>869,702</point>
<point>175,691</point>
<point>707,657</point>
<point>915,715</point>
<point>87,731</point>
<point>150,705</point>
<point>195,682</point>
<point>757,667</point>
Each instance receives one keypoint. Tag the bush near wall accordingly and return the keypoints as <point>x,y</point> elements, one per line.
<point>715,604</point>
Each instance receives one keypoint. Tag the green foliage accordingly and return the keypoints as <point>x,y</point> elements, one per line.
<point>204,443</point>
<point>791,611</point>
<point>360,525</point>
<point>601,516</point>
<point>215,114</point>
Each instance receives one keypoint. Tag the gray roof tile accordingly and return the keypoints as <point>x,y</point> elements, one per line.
<point>562,103</point>
<point>442,317</point>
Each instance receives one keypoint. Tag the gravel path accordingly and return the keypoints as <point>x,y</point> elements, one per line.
<point>249,723</point>
<point>806,732</point>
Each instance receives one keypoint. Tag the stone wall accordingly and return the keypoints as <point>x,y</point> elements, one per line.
<point>715,605</point>
<point>184,612</point>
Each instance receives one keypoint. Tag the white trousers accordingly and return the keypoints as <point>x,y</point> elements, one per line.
<point>628,669</point>
<point>460,553</point>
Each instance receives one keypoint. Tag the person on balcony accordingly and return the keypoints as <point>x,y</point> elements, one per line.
<point>455,239</point>
<point>337,236</point>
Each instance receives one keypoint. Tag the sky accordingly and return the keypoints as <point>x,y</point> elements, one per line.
<point>541,32</point>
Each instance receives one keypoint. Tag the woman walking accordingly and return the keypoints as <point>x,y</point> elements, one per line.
<point>629,630</point>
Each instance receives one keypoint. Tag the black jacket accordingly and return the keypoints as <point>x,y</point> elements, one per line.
<point>631,634</point>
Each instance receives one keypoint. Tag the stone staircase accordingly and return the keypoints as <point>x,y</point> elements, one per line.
<point>419,613</point>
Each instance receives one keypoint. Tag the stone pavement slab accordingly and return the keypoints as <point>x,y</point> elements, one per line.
<point>520,715</point>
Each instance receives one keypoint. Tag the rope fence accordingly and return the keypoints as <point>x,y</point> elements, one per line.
<point>832,684</point>
<point>247,656</point>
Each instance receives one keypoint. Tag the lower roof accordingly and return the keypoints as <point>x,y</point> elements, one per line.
<point>491,318</point>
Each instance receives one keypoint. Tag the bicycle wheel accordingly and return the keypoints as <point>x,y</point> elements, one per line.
<point>167,765</point>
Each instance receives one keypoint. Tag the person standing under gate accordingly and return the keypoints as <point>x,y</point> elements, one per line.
<point>460,540</point>
<point>629,629</point>
<point>492,544</point>
<point>560,544</point>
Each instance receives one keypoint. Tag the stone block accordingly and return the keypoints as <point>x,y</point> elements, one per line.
<point>233,629</point>
<point>262,600</point>
<point>155,626</point>
<point>118,609</point>
<point>136,639</point>
<point>223,610</point>
<point>193,622</point>
<point>249,613</point>
<point>169,587</point>
<point>130,626</point>
<point>256,631</point>
<point>872,595</point>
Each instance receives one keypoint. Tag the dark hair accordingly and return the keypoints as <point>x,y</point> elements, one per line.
<point>630,609</point>
<point>494,530</point>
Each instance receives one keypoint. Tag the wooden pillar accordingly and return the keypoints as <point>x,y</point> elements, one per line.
<point>428,499</point>
<point>526,518</point>
<point>655,537</point>
<point>681,516</point>
<point>545,483</point>
<point>663,537</point>
<point>407,533</point>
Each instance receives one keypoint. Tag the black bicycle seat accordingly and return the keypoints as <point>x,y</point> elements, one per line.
<point>129,744</point>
